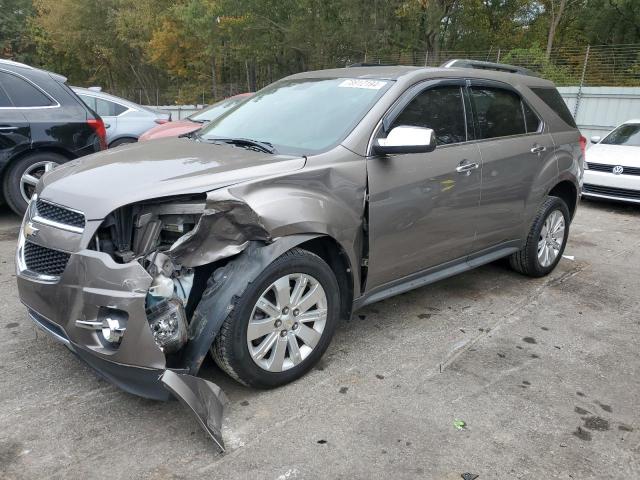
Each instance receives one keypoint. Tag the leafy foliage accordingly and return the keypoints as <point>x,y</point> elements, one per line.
<point>197,50</point>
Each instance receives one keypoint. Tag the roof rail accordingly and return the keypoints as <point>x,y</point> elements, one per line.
<point>369,64</point>
<point>479,64</point>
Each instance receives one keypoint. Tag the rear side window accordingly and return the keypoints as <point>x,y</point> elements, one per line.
<point>498,112</point>
<point>104,108</point>
<point>440,109</point>
<point>108,109</point>
<point>554,100</point>
<point>23,93</point>
<point>531,120</point>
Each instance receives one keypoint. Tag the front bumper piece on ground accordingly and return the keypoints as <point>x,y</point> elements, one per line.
<point>205,399</point>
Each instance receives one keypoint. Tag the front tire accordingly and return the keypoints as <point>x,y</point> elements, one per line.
<point>282,324</point>
<point>546,240</point>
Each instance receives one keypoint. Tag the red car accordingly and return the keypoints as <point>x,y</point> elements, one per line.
<point>195,121</point>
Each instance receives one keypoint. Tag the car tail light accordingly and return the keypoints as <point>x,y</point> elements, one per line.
<point>98,127</point>
<point>160,121</point>
<point>583,144</point>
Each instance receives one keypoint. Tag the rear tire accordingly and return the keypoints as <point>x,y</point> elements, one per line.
<point>546,240</point>
<point>297,328</point>
<point>22,176</point>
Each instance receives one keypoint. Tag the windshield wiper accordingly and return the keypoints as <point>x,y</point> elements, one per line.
<point>246,142</point>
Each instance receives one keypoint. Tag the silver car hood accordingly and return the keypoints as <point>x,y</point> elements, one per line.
<point>102,182</point>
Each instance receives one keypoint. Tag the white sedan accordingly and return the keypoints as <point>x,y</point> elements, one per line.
<point>612,169</point>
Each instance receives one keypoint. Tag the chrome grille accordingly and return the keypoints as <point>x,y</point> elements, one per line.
<point>601,167</point>
<point>55,213</point>
<point>612,191</point>
<point>45,261</point>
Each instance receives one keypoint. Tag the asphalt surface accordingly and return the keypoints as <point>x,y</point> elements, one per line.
<point>545,373</point>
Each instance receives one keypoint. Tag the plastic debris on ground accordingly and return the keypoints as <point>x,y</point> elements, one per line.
<point>459,424</point>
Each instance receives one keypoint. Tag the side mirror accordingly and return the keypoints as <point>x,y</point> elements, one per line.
<point>596,139</point>
<point>404,139</point>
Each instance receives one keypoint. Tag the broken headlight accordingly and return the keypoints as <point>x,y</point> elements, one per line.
<point>133,231</point>
<point>168,324</point>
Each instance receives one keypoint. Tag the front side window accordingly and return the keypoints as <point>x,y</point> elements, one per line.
<point>23,93</point>
<point>498,112</point>
<point>299,116</point>
<point>439,108</point>
<point>628,135</point>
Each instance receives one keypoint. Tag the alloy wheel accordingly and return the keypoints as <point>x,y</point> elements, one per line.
<point>287,322</point>
<point>551,238</point>
<point>31,176</point>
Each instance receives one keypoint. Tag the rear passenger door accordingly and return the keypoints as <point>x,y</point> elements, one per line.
<point>514,150</point>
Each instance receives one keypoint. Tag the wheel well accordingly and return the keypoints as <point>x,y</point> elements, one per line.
<point>568,192</point>
<point>126,137</point>
<point>332,253</point>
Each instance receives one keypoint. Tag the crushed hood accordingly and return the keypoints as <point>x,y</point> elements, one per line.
<point>100,183</point>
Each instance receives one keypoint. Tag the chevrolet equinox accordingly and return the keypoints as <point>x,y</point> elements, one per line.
<point>324,192</point>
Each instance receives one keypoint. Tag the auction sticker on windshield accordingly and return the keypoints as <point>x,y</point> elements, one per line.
<point>359,83</point>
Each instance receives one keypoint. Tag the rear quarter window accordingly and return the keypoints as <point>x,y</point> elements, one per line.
<point>22,93</point>
<point>554,100</point>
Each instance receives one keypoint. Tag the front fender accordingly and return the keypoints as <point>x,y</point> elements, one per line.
<point>225,285</point>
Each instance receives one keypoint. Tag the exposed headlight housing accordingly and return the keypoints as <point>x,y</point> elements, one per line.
<point>168,323</point>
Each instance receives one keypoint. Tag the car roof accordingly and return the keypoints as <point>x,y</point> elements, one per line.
<point>107,96</point>
<point>633,120</point>
<point>26,70</point>
<point>406,73</point>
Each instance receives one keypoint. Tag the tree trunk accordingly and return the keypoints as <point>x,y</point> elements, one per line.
<point>214,80</point>
<point>553,24</point>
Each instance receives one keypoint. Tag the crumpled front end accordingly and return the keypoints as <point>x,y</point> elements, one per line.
<point>122,313</point>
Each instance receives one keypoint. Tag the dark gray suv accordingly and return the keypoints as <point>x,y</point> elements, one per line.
<point>324,192</point>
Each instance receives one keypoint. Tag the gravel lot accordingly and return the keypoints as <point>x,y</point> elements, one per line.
<point>545,373</point>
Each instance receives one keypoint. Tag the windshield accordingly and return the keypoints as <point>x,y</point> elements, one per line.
<point>628,135</point>
<point>300,116</point>
<point>216,110</point>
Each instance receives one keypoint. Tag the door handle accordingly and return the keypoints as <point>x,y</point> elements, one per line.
<point>5,129</point>
<point>466,167</point>
<point>536,149</point>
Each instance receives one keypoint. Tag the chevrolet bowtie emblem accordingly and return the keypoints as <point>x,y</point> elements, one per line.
<point>30,230</point>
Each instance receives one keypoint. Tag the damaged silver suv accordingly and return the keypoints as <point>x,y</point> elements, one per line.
<point>324,192</point>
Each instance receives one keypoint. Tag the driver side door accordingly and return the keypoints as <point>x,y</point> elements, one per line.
<point>423,207</point>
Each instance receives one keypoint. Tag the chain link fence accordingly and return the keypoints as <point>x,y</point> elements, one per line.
<point>594,66</point>
<point>587,66</point>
